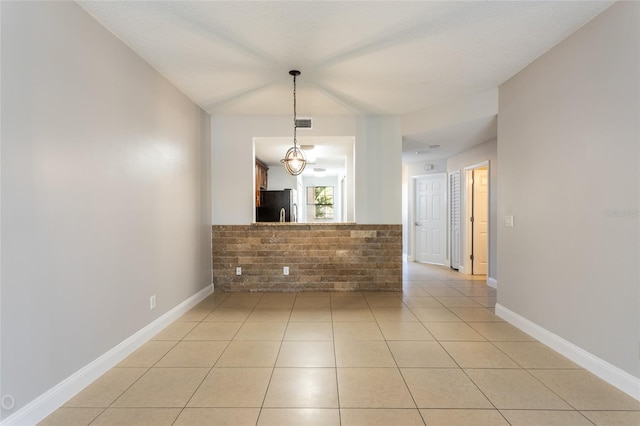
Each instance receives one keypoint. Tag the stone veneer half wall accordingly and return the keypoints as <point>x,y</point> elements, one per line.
<point>320,257</point>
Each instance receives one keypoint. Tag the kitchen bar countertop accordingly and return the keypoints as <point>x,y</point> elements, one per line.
<point>302,223</point>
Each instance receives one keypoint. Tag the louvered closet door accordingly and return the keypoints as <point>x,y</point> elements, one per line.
<point>454,226</point>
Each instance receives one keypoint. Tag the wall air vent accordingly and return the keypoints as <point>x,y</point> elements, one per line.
<point>304,123</point>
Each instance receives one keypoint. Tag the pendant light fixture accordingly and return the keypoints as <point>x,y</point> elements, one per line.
<point>294,161</point>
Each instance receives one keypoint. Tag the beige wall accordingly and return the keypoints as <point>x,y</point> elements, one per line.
<point>105,195</point>
<point>568,149</point>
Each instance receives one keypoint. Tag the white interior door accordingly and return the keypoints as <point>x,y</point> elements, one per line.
<point>480,220</point>
<point>431,218</point>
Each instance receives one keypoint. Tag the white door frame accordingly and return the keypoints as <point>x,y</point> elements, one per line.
<point>412,215</point>
<point>465,210</point>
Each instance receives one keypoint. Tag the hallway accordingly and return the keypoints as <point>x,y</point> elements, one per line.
<point>434,354</point>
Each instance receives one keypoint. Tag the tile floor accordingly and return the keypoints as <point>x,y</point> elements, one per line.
<point>434,354</point>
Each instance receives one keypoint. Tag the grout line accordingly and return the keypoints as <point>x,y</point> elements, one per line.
<point>275,361</point>
<point>335,362</point>
<point>99,414</point>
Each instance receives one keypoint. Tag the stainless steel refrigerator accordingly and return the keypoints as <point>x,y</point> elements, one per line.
<point>277,206</point>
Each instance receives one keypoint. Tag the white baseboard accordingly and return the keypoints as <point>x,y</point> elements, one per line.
<point>609,373</point>
<point>36,410</point>
<point>492,282</point>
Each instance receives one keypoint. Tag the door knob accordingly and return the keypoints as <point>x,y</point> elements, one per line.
<point>417,224</point>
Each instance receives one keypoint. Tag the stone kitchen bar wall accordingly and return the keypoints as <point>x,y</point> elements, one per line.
<point>320,257</point>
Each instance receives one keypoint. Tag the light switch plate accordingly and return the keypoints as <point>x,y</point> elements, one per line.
<point>152,302</point>
<point>508,221</point>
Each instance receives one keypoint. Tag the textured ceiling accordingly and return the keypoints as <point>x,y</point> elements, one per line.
<point>356,57</point>
<point>363,57</point>
<point>446,141</point>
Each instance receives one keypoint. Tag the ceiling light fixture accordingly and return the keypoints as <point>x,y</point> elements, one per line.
<point>294,161</point>
<point>320,172</point>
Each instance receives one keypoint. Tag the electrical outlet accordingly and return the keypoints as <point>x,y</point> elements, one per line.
<point>152,302</point>
<point>238,270</point>
<point>285,270</point>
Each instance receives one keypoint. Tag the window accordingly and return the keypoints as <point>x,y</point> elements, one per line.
<point>321,198</point>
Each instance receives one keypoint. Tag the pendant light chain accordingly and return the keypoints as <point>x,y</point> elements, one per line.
<point>295,121</point>
<point>294,161</point>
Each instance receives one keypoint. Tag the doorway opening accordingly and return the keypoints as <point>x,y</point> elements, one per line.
<point>477,219</point>
<point>330,164</point>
